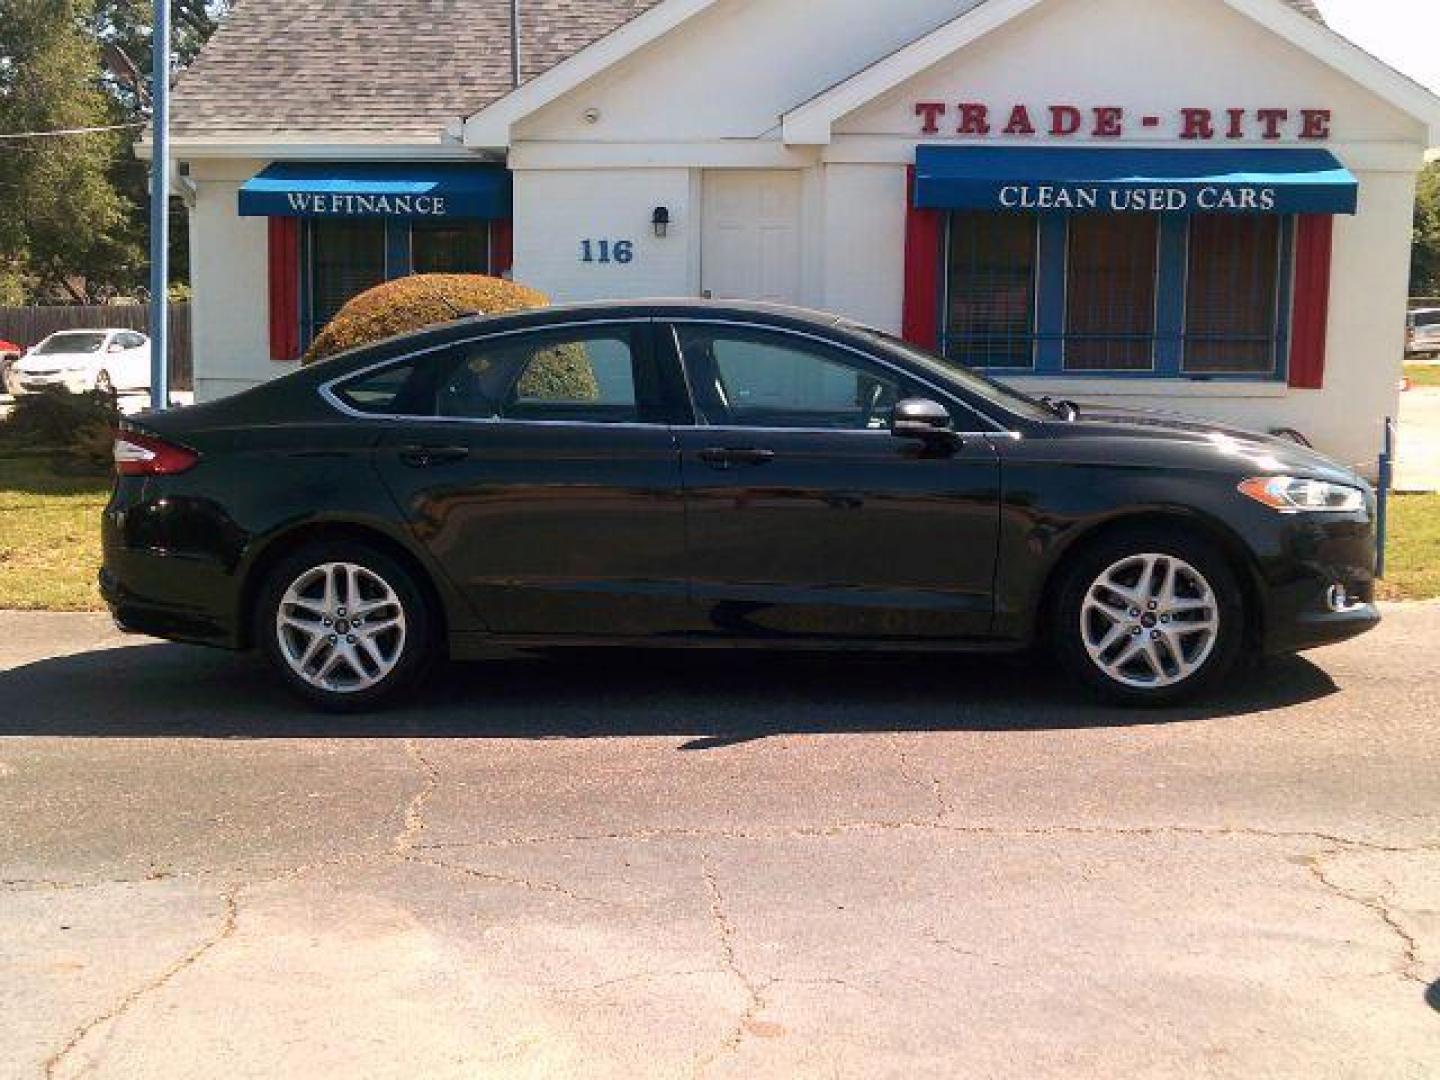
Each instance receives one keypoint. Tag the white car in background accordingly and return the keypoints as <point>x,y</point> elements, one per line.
<point>83,360</point>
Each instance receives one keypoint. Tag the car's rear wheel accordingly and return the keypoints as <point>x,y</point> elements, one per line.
<point>346,626</point>
<point>1149,617</point>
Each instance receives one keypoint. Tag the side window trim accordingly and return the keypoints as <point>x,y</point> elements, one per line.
<point>946,396</point>
<point>329,390</point>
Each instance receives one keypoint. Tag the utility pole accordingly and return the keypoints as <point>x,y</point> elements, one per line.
<point>160,209</point>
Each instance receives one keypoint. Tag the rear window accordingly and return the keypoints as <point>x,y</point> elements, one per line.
<point>387,392</point>
<point>71,343</point>
<point>1426,318</point>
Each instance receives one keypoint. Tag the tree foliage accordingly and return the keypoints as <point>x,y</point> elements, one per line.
<point>65,222</point>
<point>73,208</point>
<point>1425,269</point>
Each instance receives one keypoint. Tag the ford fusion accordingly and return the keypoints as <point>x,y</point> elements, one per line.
<point>688,475</point>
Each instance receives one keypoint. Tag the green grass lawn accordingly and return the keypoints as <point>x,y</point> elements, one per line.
<point>1423,374</point>
<point>49,535</point>
<point>50,538</point>
<point>1413,555</point>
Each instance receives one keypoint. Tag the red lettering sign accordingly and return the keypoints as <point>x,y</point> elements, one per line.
<point>1196,124</point>
<point>1192,123</point>
<point>930,112</point>
<point>974,119</point>
<point>1314,123</point>
<point>1065,119</point>
<point>1109,122</point>
<point>1272,119</point>
<point>1020,122</point>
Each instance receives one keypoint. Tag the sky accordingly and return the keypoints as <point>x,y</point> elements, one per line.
<point>1403,33</point>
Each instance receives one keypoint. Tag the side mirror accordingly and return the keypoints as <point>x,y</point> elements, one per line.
<point>925,420</point>
<point>114,347</point>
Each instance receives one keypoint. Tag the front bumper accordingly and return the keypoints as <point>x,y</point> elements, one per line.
<point>1320,582</point>
<point>73,382</point>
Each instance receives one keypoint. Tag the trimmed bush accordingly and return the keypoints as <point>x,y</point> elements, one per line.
<point>413,303</point>
<point>56,418</point>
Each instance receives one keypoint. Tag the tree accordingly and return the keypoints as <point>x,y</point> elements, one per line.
<point>1425,268</point>
<point>65,225</point>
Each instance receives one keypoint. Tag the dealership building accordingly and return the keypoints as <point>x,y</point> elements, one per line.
<point>1192,205</point>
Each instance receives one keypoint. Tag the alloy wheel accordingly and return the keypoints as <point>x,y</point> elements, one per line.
<point>1150,621</point>
<point>341,627</point>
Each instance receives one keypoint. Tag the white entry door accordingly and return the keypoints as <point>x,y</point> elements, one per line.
<point>750,242</point>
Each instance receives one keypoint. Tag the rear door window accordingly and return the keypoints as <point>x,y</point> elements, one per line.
<point>591,375</point>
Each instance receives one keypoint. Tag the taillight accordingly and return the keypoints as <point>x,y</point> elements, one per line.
<point>146,455</point>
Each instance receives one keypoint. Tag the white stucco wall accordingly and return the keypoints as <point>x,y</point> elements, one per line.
<point>557,210</point>
<point>229,272</point>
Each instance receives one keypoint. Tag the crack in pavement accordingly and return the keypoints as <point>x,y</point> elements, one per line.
<point>936,791</point>
<point>1378,906</point>
<point>639,976</point>
<point>228,922</point>
<point>725,933</point>
<point>1217,832</point>
<point>528,884</point>
<point>414,817</point>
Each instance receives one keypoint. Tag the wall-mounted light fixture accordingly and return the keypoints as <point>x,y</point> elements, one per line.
<point>661,220</point>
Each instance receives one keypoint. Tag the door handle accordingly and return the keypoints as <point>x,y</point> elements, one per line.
<point>423,457</point>
<point>720,457</point>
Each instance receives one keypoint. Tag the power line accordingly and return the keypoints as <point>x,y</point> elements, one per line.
<point>72,131</point>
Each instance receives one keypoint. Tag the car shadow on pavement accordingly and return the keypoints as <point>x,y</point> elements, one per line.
<point>715,698</point>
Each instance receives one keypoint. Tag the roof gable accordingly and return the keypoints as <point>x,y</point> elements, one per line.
<point>811,123</point>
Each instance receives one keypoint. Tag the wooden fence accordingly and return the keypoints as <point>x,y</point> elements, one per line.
<point>27,326</point>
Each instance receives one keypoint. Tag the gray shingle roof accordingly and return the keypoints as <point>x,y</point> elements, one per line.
<point>396,68</point>
<point>392,68</point>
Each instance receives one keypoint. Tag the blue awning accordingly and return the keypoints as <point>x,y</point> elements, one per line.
<point>353,189</point>
<point>1133,181</point>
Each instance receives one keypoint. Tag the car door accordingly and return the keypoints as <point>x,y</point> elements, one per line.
<point>807,517</point>
<point>544,478</point>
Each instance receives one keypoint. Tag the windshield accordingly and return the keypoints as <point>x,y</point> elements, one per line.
<point>70,343</point>
<point>981,386</point>
<point>1426,318</point>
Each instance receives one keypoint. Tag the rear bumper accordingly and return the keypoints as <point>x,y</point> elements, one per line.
<point>179,596</point>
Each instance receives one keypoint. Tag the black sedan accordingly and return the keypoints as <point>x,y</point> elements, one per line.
<point>690,474</point>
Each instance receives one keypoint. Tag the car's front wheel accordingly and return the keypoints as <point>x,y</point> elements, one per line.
<point>345,625</point>
<point>1150,617</point>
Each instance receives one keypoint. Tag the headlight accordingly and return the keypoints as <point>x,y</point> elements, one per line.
<point>1295,495</point>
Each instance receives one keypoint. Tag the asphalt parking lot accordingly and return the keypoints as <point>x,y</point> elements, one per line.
<point>716,865</point>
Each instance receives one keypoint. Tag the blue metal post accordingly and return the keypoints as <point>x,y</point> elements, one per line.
<point>1387,480</point>
<point>160,209</point>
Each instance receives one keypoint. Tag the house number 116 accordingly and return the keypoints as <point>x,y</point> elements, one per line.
<point>607,251</point>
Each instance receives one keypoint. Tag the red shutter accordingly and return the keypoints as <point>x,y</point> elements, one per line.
<point>284,288</point>
<point>1314,242</point>
<point>923,228</point>
<point>502,247</point>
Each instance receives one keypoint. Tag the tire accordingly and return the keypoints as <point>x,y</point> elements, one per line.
<point>1117,629</point>
<point>339,666</point>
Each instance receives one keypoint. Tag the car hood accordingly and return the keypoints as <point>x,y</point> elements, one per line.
<point>1248,450</point>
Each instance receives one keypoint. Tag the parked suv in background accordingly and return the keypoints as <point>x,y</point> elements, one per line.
<point>1422,332</point>
<point>81,360</point>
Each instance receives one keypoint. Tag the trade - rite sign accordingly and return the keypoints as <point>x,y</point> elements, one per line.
<point>979,120</point>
